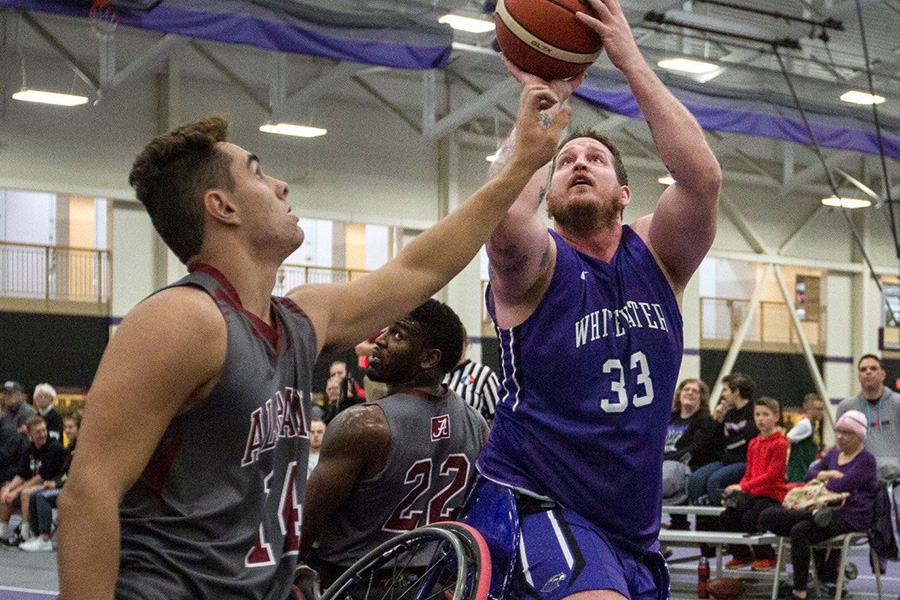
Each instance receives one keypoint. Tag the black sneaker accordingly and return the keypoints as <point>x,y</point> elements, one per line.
<point>14,540</point>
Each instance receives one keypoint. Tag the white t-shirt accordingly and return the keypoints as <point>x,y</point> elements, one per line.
<point>313,461</point>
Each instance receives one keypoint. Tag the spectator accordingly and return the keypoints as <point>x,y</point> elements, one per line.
<point>738,428</point>
<point>335,401</point>
<point>316,433</point>
<point>805,438</point>
<point>41,463</point>
<point>847,468</point>
<point>44,398</point>
<point>350,389</point>
<point>15,411</point>
<point>43,500</point>
<point>691,442</point>
<point>761,487</point>
<point>475,382</point>
<point>881,406</point>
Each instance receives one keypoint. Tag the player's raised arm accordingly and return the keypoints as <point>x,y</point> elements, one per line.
<point>683,227</point>
<point>346,313</point>
<point>166,352</point>
<point>520,249</point>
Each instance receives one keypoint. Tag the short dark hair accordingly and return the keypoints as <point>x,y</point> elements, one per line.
<point>172,173</point>
<point>443,330</point>
<point>770,403</point>
<point>32,421</point>
<point>864,357</point>
<point>808,400</point>
<point>621,175</point>
<point>740,382</point>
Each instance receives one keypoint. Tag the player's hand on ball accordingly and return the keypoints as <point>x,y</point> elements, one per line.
<point>563,88</point>
<point>536,140</point>
<point>610,23</point>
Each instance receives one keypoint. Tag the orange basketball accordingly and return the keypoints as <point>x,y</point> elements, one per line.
<point>544,38</point>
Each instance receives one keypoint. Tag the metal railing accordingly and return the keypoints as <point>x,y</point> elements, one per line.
<point>720,318</point>
<point>290,276</point>
<point>33,271</point>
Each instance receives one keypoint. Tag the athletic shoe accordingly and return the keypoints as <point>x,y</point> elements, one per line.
<point>13,540</point>
<point>765,564</point>
<point>37,544</point>
<point>738,563</point>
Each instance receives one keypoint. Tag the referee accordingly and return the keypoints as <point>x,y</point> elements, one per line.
<point>475,382</point>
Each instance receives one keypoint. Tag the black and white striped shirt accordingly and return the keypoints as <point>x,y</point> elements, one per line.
<point>477,384</point>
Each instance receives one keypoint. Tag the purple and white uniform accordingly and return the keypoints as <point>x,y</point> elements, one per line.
<point>216,512</point>
<point>588,382</point>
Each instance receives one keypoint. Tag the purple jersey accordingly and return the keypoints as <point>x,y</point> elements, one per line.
<point>588,382</point>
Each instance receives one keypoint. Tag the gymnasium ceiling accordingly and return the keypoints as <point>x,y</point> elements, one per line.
<point>472,97</point>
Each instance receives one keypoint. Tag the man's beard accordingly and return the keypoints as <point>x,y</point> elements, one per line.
<point>583,217</point>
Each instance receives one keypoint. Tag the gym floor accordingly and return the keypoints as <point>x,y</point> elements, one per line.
<point>32,576</point>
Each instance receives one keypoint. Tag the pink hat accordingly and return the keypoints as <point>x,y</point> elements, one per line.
<point>854,421</point>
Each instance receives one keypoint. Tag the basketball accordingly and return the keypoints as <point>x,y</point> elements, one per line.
<point>726,588</point>
<point>543,37</point>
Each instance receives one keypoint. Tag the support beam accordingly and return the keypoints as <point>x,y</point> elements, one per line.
<point>815,170</point>
<point>387,104</point>
<point>317,88</point>
<point>153,55</point>
<point>743,225</point>
<point>277,83</point>
<point>801,335</point>
<point>80,69</point>
<point>477,107</point>
<point>858,184</point>
<point>796,233</point>
<point>429,99</point>
<point>479,90</point>
<point>738,340</point>
<point>231,76</point>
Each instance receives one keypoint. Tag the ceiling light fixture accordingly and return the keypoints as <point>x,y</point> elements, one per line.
<point>687,65</point>
<point>846,202</point>
<point>303,131</point>
<point>666,180</point>
<point>56,98</point>
<point>492,157</point>
<point>468,24</point>
<point>857,97</point>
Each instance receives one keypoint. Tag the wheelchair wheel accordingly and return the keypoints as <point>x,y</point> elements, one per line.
<point>431,563</point>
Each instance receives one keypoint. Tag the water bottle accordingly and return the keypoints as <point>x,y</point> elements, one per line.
<point>702,578</point>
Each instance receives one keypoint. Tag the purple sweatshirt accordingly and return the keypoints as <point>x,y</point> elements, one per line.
<point>859,479</point>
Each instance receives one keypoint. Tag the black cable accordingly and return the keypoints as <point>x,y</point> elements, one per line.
<point>884,171</point>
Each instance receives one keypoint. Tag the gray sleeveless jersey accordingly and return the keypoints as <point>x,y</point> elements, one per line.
<point>216,512</point>
<point>431,462</point>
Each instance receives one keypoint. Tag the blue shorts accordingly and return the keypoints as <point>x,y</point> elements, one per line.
<point>561,553</point>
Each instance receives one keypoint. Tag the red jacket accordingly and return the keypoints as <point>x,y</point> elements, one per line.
<point>766,465</point>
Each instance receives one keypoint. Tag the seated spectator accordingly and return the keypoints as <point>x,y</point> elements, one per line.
<point>737,429</point>
<point>349,389</point>
<point>805,438</point>
<point>334,403</point>
<point>43,500</point>
<point>691,442</point>
<point>16,411</point>
<point>316,433</point>
<point>42,462</point>
<point>761,487</point>
<point>44,397</point>
<point>847,468</point>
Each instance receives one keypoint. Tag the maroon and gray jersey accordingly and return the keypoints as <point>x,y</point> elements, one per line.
<point>435,441</point>
<point>216,512</point>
